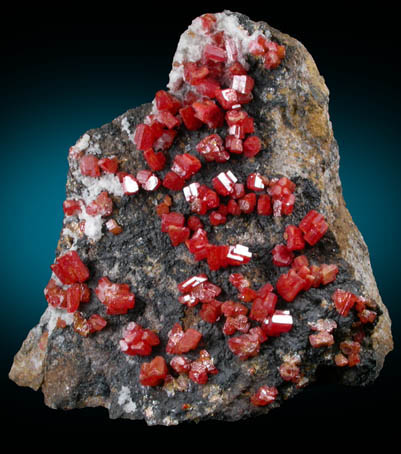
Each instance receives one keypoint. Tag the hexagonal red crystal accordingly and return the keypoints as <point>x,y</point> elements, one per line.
<point>70,269</point>
<point>173,181</point>
<point>279,322</point>
<point>265,395</point>
<point>154,372</point>
<point>109,165</point>
<point>116,297</point>
<point>89,166</point>
<point>182,342</point>
<point>137,340</point>
<point>313,226</point>
<point>102,205</point>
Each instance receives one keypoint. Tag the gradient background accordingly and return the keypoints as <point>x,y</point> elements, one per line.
<point>78,70</point>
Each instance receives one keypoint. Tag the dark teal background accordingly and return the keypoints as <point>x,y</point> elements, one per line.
<point>61,78</point>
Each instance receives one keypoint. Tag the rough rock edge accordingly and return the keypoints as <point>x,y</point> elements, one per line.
<point>29,364</point>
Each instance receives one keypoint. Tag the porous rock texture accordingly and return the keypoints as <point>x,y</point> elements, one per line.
<point>290,108</point>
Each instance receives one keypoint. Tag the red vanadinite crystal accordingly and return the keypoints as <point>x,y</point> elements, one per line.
<point>321,339</point>
<point>138,341</point>
<point>187,114</point>
<point>289,370</point>
<point>148,180</point>
<point>216,218</point>
<point>209,113</point>
<point>282,256</point>
<point>227,98</point>
<point>178,235</point>
<point>76,294</point>
<point>239,191</point>
<point>247,203</point>
<point>224,183</point>
<point>55,295</point>
<point>102,205</point>
<point>247,294</point>
<point>210,312</point>
<point>191,283</point>
<point>264,207</point>
<point>181,364</point>
<point>343,301</point>
<point>116,297</point>
<point>294,238</point>
<point>194,73</point>
<point>109,165</point>
<point>167,102</point>
<point>255,182</point>
<point>156,161</point>
<point>165,141</point>
<point>89,166</point>
<point>239,281</point>
<point>233,208</point>
<point>208,22</point>
<point>198,245</point>
<point>244,346</point>
<point>252,146</point>
<point>71,207</point>
<point>234,324</point>
<point>172,218</point>
<point>96,323</point>
<point>314,226</point>
<point>263,307</point>
<point>328,273</point>
<point>351,350</point>
<point>233,309</point>
<point>243,84</point>
<point>289,285</point>
<point>214,53</point>
<point>185,165</point>
<point>278,323</point>
<point>194,223</point>
<point>265,395</point>
<point>212,149</point>
<point>202,368</point>
<point>182,342</point>
<point>154,372</point>
<point>234,144</point>
<point>70,269</point>
<point>113,227</point>
<point>143,137</point>
<point>173,181</point>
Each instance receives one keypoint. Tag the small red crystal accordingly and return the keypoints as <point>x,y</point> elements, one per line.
<point>202,368</point>
<point>216,218</point>
<point>282,256</point>
<point>343,301</point>
<point>234,144</point>
<point>210,312</point>
<point>75,294</point>
<point>143,137</point>
<point>237,323</point>
<point>167,102</point>
<point>138,341</point>
<point>255,182</point>
<point>71,207</point>
<point>279,322</point>
<point>182,342</point>
<point>178,235</point>
<point>188,117</point>
<point>55,295</point>
<point>321,339</point>
<point>227,98</point>
<point>109,165</point>
<point>156,161</point>
<point>148,180</point>
<point>113,227</point>
<point>314,226</point>
<point>252,146</point>
<point>244,346</point>
<point>173,181</point>
<point>289,285</point>
<point>214,53</point>
<point>70,269</point>
<point>102,205</point>
<point>185,165</point>
<point>209,113</point>
<point>233,309</point>
<point>265,395</point>
<point>264,207</point>
<point>165,141</point>
<point>224,183</point>
<point>233,208</point>
<point>243,83</point>
<point>247,203</point>
<point>154,372</point>
<point>294,238</point>
<point>96,323</point>
<point>180,364</point>
<point>263,307</point>
<point>173,218</point>
<point>89,166</point>
<point>116,297</point>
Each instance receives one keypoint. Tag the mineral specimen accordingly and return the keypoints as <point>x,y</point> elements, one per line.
<point>233,165</point>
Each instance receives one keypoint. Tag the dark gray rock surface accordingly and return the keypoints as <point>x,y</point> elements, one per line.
<point>290,109</point>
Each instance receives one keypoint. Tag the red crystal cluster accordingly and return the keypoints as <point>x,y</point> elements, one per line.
<point>215,90</point>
